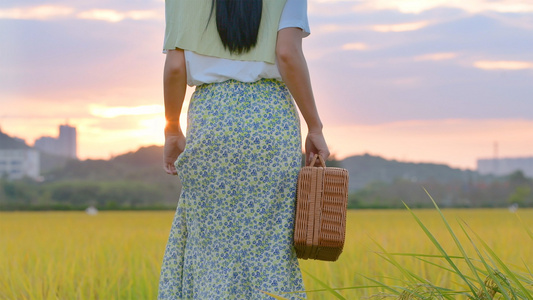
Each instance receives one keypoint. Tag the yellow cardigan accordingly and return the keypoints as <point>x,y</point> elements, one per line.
<point>186,29</point>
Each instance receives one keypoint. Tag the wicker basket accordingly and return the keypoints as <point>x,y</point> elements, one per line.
<point>320,225</point>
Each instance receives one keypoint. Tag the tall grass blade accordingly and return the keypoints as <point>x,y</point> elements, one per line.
<point>529,271</point>
<point>383,285</point>
<point>438,266</point>
<point>417,279</point>
<point>410,275</point>
<point>504,267</point>
<point>529,232</point>
<point>359,287</point>
<point>490,270</point>
<point>457,243</point>
<point>424,255</point>
<point>441,250</point>
<point>275,296</point>
<point>332,291</point>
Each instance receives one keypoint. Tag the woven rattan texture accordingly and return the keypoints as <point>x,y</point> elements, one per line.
<point>320,225</point>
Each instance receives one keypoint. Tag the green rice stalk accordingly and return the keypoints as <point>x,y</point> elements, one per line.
<point>529,232</point>
<point>507,284</point>
<point>274,296</point>
<point>442,251</point>
<point>440,266</point>
<point>424,255</point>
<point>359,287</point>
<point>442,293</point>
<point>490,286</point>
<point>457,243</point>
<point>332,291</point>
<point>390,258</point>
<point>503,266</point>
<point>504,281</point>
<point>422,291</point>
<point>421,282</point>
<point>529,271</point>
<point>489,269</point>
<point>420,257</point>
<point>382,285</point>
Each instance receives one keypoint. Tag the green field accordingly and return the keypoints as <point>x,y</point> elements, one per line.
<point>117,255</point>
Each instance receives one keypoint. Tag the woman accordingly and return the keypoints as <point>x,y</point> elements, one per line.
<point>231,237</point>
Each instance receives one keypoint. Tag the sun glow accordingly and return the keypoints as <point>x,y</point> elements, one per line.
<point>111,112</point>
<point>119,129</point>
<point>153,127</point>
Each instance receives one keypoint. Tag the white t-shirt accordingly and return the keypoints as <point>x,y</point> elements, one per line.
<point>207,69</point>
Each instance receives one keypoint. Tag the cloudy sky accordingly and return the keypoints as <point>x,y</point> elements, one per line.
<point>414,80</point>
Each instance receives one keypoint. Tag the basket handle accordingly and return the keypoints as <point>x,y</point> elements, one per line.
<point>319,157</point>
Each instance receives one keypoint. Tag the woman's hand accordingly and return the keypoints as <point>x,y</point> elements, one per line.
<point>315,143</point>
<point>174,87</point>
<point>174,146</point>
<point>293,69</point>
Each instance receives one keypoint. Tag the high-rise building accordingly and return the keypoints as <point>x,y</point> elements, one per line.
<point>505,166</point>
<point>65,145</point>
<point>67,141</point>
<point>19,163</point>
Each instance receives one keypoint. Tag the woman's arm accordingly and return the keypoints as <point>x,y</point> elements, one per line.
<point>293,69</point>
<point>174,87</point>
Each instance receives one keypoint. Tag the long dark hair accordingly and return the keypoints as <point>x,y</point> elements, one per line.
<point>238,23</point>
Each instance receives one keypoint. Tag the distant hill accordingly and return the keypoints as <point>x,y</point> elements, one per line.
<point>150,155</point>
<point>145,165</point>
<point>365,169</point>
<point>136,180</point>
<point>142,166</point>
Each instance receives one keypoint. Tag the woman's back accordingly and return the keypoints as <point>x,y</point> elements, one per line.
<point>208,69</point>
<point>231,237</point>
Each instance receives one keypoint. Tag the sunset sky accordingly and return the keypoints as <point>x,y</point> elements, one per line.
<point>414,80</point>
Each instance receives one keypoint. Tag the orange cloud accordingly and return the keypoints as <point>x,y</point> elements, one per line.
<point>48,12</point>
<point>473,6</point>
<point>355,46</point>
<point>436,56</point>
<point>503,65</point>
<point>113,16</point>
<point>41,12</point>
<point>400,27</point>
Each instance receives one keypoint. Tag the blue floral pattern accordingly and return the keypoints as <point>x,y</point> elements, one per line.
<point>231,237</point>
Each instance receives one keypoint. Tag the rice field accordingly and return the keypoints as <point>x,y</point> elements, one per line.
<point>117,255</point>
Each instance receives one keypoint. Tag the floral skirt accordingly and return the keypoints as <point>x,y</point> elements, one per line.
<point>231,237</point>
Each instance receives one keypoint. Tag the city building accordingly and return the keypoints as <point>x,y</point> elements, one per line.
<point>505,166</point>
<point>19,163</point>
<point>64,145</point>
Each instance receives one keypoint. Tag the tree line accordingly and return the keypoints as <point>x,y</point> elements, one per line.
<point>515,189</point>
<point>136,180</point>
<point>76,195</point>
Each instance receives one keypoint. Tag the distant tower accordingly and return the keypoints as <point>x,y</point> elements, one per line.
<point>68,141</point>
<point>65,145</point>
